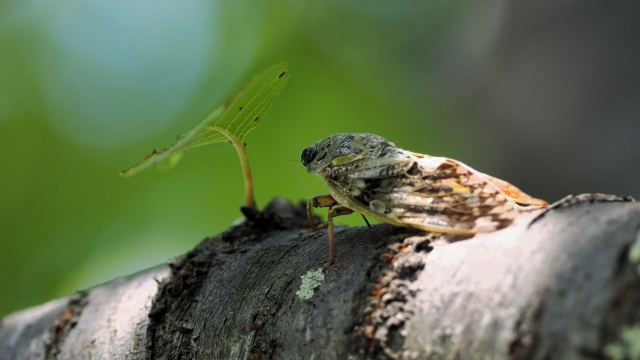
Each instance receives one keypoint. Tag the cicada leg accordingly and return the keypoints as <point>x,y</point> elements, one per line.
<point>339,211</point>
<point>329,202</point>
<point>317,202</point>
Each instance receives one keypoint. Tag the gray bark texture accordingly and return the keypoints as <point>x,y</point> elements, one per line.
<point>563,283</point>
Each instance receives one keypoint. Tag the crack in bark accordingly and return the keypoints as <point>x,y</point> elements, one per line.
<point>64,324</point>
<point>389,303</point>
<point>570,201</point>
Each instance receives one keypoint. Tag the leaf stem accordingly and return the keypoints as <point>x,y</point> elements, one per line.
<point>249,198</point>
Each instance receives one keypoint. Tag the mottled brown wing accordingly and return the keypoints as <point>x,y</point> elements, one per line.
<point>514,194</point>
<point>429,193</point>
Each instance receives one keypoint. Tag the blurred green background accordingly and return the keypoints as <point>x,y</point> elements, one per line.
<point>543,95</point>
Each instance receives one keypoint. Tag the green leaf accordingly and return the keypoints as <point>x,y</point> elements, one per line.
<point>231,121</point>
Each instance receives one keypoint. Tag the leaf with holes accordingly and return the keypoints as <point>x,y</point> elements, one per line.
<point>231,121</point>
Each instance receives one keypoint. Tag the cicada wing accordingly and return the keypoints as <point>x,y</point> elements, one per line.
<point>432,194</point>
<point>515,194</point>
<point>457,197</point>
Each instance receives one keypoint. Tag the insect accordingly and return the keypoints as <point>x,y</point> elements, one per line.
<point>369,175</point>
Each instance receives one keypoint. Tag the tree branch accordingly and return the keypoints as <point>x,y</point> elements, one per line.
<point>565,286</point>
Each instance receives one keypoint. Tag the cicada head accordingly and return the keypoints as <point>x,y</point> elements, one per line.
<point>341,149</point>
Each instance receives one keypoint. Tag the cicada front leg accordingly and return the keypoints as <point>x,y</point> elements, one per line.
<point>329,202</point>
<point>316,202</point>
<point>339,211</point>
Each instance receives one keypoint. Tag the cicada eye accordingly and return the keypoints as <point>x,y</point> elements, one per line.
<point>308,155</point>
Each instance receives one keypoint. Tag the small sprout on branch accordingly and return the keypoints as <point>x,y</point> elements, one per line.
<point>231,121</point>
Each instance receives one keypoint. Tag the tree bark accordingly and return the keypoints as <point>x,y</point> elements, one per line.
<point>559,284</point>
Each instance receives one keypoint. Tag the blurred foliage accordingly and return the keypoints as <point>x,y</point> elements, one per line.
<point>86,87</point>
<point>230,121</point>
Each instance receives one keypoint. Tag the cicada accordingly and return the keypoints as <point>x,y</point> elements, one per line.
<point>369,175</point>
